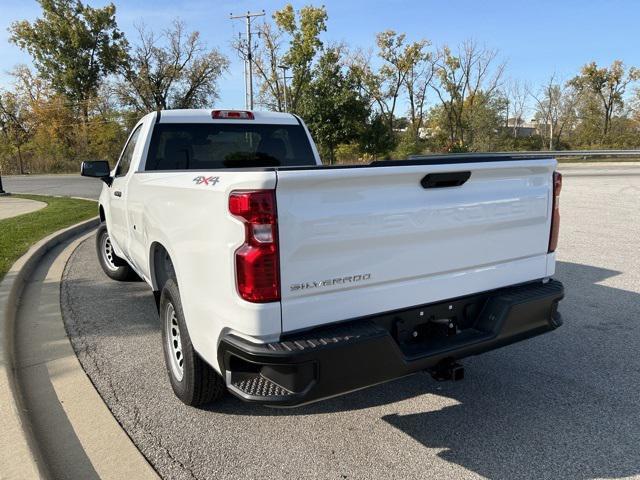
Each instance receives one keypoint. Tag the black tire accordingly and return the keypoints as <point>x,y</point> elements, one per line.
<point>198,383</point>
<point>112,265</point>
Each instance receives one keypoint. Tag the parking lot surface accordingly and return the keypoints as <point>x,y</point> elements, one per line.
<point>563,405</point>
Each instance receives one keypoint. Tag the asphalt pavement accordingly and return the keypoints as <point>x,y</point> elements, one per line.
<point>562,405</point>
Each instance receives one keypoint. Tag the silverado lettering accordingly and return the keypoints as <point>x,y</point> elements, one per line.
<point>333,281</point>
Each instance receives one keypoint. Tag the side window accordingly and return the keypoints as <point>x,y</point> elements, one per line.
<point>127,154</point>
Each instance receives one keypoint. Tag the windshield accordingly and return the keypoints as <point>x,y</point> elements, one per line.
<point>180,146</point>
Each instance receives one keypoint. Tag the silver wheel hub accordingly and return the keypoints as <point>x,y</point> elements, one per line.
<point>174,342</point>
<point>107,253</point>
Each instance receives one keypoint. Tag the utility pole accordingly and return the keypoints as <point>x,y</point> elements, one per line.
<point>248,68</point>
<point>284,80</point>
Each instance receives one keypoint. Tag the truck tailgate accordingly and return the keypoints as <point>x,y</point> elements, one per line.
<point>360,241</point>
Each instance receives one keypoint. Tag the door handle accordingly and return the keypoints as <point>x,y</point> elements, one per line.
<point>445,179</point>
<point>117,193</point>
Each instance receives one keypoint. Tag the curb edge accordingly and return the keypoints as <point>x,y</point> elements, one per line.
<point>19,442</point>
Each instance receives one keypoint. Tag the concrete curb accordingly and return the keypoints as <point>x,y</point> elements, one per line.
<point>18,451</point>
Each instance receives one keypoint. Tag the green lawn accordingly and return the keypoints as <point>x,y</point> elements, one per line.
<point>17,234</point>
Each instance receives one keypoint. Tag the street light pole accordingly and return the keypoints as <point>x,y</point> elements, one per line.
<point>284,80</point>
<point>248,67</point>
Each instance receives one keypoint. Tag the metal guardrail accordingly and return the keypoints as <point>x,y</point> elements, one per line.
<point>539,153</point>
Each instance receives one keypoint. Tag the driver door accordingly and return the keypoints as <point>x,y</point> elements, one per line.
<point>117,219</point>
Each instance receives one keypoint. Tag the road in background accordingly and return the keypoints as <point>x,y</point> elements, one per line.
<point>77,186</point>
<point>599,169</point>
<point>63,185</point>
<point>562,405</point>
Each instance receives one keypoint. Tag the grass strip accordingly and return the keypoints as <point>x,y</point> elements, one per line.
<point>17,234</point>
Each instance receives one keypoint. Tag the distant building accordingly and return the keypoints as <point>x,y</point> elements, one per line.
<point>522,128</point>
<point>423,132</point>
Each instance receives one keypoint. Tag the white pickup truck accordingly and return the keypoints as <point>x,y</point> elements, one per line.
<point>286,281</point>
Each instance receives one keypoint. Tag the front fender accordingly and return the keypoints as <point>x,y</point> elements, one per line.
<point>105,203</point>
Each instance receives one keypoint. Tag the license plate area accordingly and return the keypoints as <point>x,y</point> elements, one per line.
<point>436,324</point>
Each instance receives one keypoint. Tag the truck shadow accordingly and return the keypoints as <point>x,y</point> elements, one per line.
<point>563,405</point>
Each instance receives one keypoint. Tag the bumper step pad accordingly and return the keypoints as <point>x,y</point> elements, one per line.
<point>255,385</point>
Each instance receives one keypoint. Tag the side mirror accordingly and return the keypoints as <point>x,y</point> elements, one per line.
<point>97,169</point>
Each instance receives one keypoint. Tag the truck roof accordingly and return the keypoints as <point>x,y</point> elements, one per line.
<point>203,115</point>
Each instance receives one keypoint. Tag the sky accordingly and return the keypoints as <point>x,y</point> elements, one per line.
<point>536,38</point>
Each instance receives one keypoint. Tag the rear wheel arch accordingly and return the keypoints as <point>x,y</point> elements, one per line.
<point>161,266</point>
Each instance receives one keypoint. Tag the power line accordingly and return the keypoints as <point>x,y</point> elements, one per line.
<point>248,59</point>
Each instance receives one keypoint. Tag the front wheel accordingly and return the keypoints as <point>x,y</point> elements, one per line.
<point>193,381</point>
<point>115,267</point>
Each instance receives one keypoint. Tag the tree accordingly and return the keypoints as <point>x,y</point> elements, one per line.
<point>555,110</point>
<point>465,79</point>
<point>305,43</point>
<point>19,115</point>
<point>333,108</point>
<point>416,82</point>
<point>486,121</point>
<point>516,95</point>
<point>404,65</point>
<point>43,132</point>
<point>14,125</point>
<point>608,85</point>
<point>376,140</point>
<point>74,46</point>
<point>267,60</point>
<point>300,32</point>
<point>171,70</point>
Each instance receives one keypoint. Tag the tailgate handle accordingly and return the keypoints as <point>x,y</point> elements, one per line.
<point>445,179</point>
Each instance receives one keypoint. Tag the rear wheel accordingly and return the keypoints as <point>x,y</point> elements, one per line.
<point>114,266</point>
<point>193,381</point>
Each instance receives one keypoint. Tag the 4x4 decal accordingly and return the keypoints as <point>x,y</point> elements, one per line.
<point>199,180</point>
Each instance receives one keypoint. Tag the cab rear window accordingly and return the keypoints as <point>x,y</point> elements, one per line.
<point>180,146</point>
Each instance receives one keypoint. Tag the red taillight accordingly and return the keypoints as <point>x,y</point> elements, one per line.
<point>555,213</point>
<point>257,268</point>
<point>232,115</point>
